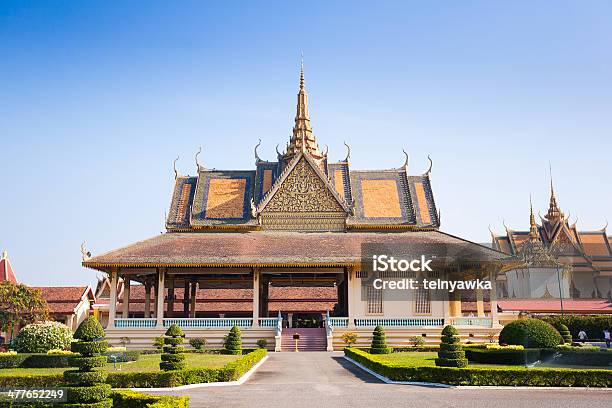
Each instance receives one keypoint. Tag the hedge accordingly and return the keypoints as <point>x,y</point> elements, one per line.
<point>531,333</point>
<point>510,376</point>
<point>35,360</point>
<point>592,325</point>
<point>133,399</point>
<point>230,372</point>
<point>511,357</point>
<point>576,356</point>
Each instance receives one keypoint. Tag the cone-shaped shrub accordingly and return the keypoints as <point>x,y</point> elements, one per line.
<point>173,357</point>
<point>451,353</point>
<point>86,387</point>
<point>379,342</point>
<point>564,332</point>
<point>233,342</point>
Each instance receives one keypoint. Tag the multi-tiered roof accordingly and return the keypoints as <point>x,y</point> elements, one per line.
<point>320,195</point>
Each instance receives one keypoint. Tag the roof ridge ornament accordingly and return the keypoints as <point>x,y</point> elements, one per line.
<point>278,154</point>
<point>603,229</point>
<point>176,173</point>
<point>85,254</point>
<point>348,152</point>
<point>257,158</point>
<point>405,165</point>
<point>428,172</point>
<point>198,165</point>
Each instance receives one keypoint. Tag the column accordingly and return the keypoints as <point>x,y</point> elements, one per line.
<point>290,320</point>
<point>161,275</point>
<point>194,295</point>
<point>480,303</point>
<point>170,311</point>
<point>126,297</point>
<point>147,301</point>
<point>255,297</point>
<point>493,300</point>
<point>186,298</point>
<point>113,299</point>
<point>155,286</point>
<point>353,295</point>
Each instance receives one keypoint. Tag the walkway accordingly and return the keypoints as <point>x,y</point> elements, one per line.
<point>320,380</point>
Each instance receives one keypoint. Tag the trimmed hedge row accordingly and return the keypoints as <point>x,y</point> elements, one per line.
<point>230,372</point>
<point>592,325</point>
<point>133,399</point>
<point>511,357</point>
<point>511,376</point>
<point>35,360</point>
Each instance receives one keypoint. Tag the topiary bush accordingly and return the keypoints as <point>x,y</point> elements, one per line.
<point>42,337</point>
<point>564,332</point>
<point>262,343</point>
<point>86,387</point>
<point>451,353</point>
<point>197,343</point>
<point>233,342</point>
<point>530,333</point>
<point>173,357</point>
<point>379,342</point>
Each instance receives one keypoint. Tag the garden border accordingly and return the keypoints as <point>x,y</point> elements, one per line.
<point>468,387</point>
<point>239,381</point>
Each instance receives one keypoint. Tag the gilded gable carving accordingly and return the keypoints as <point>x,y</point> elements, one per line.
<point>303,191</point>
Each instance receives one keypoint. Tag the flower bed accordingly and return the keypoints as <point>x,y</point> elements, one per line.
<point>511,376</point>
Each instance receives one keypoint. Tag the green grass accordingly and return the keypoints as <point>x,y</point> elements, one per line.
<point>146,363</point>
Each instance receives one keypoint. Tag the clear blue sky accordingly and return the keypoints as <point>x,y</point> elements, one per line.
<point>98,98</point>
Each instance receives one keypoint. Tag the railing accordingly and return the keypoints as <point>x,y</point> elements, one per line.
<point>135,322</point>
<point>268,322</point>
<point>472,321</point>
<point>402,322</point>
<point>339,321</point>
<point>209,322</point>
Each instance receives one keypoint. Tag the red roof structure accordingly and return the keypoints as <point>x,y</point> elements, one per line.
<point>64,299</point>
<point>580,306</point>
<point>6,270</point>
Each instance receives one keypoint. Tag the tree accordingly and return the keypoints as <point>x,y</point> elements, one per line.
<point>173,357</point>
<point>379,342</point>
<point>20,305</point>
<point>451,353</point>
<point>86,386</point>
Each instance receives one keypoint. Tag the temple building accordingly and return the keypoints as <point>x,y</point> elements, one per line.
<point>278,248</point>
<point>565,270</point>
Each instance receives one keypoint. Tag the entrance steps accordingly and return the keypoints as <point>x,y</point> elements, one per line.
<point>311,339</point>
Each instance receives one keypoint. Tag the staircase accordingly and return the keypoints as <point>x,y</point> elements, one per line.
<point>310,339</point>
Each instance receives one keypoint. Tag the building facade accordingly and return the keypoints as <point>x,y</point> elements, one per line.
<point>281,245</point>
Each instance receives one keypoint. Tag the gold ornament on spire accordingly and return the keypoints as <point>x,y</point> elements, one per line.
<point>302,139</point>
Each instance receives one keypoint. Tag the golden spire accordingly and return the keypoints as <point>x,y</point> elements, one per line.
<point>554,213</point>
<point>533,228</point>
<point>302,138</point>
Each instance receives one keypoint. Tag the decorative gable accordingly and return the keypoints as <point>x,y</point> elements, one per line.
<point>302,199</point>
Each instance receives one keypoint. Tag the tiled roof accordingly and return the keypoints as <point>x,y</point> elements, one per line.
<point>63,299</point>
<point>554,305</point>
<point>270,247</point>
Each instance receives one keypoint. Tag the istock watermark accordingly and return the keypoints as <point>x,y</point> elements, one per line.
<point>393,271</point>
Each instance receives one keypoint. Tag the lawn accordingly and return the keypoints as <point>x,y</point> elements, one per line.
<point>146,363</point>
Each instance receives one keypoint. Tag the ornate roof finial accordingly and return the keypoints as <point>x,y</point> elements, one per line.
<point>257,159</point>
<point>348,152</point>
<point>176,173</point>
<point>533,228</point>
<point>554,213</point>
<point>302,71</point>
<point>405,165</point>
<point>196,158</point>
<point>428,172</point>
<point>86,255</point>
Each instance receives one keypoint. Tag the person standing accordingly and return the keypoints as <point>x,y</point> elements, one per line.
<point>607,337</point>
<point>582,336</point>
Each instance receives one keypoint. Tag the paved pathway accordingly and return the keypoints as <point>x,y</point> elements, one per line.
<point>319,380</point>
